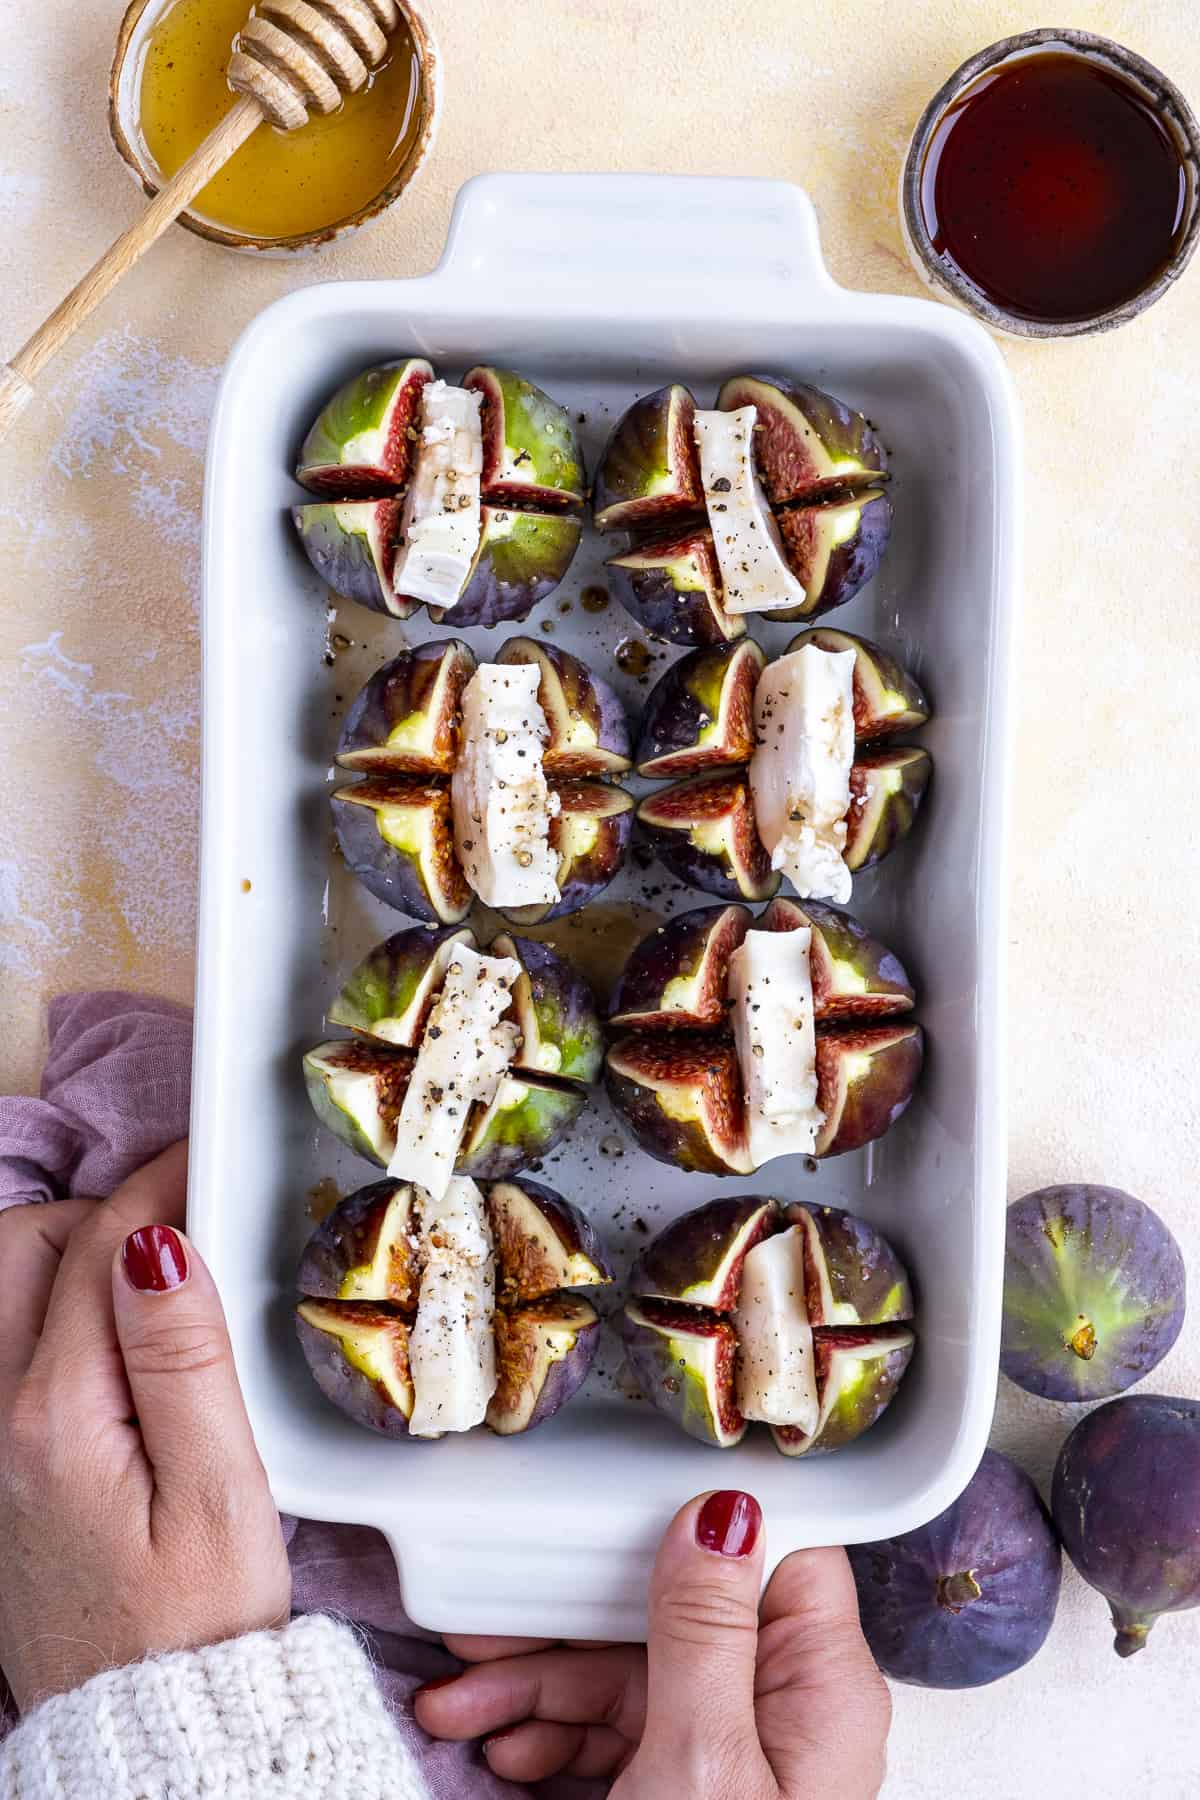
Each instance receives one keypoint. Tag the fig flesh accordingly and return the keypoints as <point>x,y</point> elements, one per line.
<point>405,720</point>
<point>672,587</point>
<point>1094,1292</point>
<point>971,1596</point>
<point>676,977</point>
<point>530,447</point>
<point>887,699</point>
<point>808,443</point>
<point>397,836</point>
<point>544,1352</point>
<point>704,832</point>
<point>589,734</point>
<point>700,714</point>
<point>684,1360</point>
<point>358,1357</point>
<point>360,443</point>
<point>834,550</point>
<point>650,473</point>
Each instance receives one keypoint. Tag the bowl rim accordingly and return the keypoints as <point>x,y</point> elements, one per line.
<point>1168,101</point>
<point>142,169</point>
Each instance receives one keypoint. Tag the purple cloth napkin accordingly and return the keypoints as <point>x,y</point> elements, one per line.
<point>115,1092</point>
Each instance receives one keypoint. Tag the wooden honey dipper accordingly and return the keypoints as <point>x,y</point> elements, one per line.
<point>291,57</point>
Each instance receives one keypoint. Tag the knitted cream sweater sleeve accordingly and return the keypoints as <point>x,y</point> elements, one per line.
<point>277,1715</point>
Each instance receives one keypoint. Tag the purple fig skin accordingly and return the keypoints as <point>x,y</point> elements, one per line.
<point>700,714</point>
<point>342,1261</point>
<point>649,474</point>
<point>556,1010</point>
<point>886,790</point>
<point>854,1278</point>
<point>352,546</point>
<point>834,550</point>
<point>590,835</point>
<point>544,1352</point>
<point>683,1359</point>
<point>696,1069</point>
<point>672,587</point>
<point>675,978</point>
<point>425,881</point>
<point>350,1389</point>
<point>1095,1292</point>
<point>807,443</point>
<point>589,733</point>
<point>543,1243</point>
<point>887,699</point>
<point>703,830</point>
<point>697,1259</point>
<point>1126,1501</point>
<point>853,975</point>
<point>522,557</point>
<point>858,1373</point>
<point>971,1596</point>
<point>388,996</point>
<point>861,1103</point>
<point>405,720</point>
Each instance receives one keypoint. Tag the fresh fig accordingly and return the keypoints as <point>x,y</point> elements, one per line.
<point>887,699</point>
<point>590,837</point>
<point>700,714</point>
<point>389,995</point>
<point>1094,1292</point>
<point>521,557</point>
<point>971,1596</point>
<point>531,454</point>
<point>650,471</point>
<point>589,734</point>
<point>1126,1501</point>
<point>362,440</point>
<point>833,550</point>
<point>358,1356</point>
<point>398,838</point>
<point>363,1250</point>
<point>697,1259</point>
<point>675,979</point>
<point>865,1080</point>
<point>807,444</point>
<point>352,546</point>
<point>556,1011</point>
<point>543,1243</point>
<point>672,587</point>
<point>683,1359</point>
<point>544,1351</point>
<point>853,975</point>
<point>853,1278</point>
<point>405,720</point>
<point>528,1117</point>
<point>681,1096</point>
<point>703,830</point>
<point>886,791</point>
<point>357,1090</point>
<point>857,1375</point>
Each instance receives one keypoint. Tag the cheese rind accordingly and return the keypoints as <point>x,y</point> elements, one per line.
<point>776,1375</point>
<point>441,524</point>
<point>769,987</point>
<point>451,1345</point>
<point>754,573</point>
<point>499,796</point>
<point>465,1051</point>
<point>800,770</point>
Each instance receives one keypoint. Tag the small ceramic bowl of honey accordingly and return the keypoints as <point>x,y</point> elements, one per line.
<point>1052,186</point>
<point>282,192</point>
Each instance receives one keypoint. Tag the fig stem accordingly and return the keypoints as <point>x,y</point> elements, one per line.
<point>1131,1637</point>
<point>1083,1339</point>
<point>956,1591</point>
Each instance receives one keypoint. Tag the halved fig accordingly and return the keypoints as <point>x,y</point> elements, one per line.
<point>543,1354</point>
<point>358,1355</point>
<point>681,1095</point>
<point>865,1080</point>
<point>361,443</point>
<point>531,453</point>
<point>528,1117</point>
<point>853,1277</point>
<point>684,1360</point>
<point>858,1373</point>
<point>405,720</point>
<point>675,979</point>
<point>806,442</point>
<point>364,1249</point>
<point>886,790</point>
<point>555,1010</point>
<point>398,837</point>
<point>672,587</point>
<point>650,471</point>
<point>357,1090</point>
<point>700,714</point>
<point>698,1258</point>
<point>352,546</point>
<point>590,836</point>
<point>833,550</point>
<point>589,734</point>
<point>703,829</point>
<point>542,1243</point>
<point>389,995</point>
<point>887,699</point>
<point>521,557</point>
<point>854,976</point>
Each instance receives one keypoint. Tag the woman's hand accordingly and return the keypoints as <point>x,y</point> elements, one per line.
<point>773,1701</point>
<point>134,1511</point>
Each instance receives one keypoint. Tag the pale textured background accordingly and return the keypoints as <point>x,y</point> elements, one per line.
<point>99,648</point>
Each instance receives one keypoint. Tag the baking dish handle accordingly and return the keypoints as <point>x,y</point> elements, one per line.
<point>660,238</point>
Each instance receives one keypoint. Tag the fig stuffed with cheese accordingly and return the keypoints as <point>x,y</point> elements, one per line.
<point>740,1039</point>
<point>463,499</point>
<point>421,1316</point>
<point>770,503</point>
<point>488,780</point>
<point>749,1310</point>
<point>462,1062</point>
<point>790,767</point>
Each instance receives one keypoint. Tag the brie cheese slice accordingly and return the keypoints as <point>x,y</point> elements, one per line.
<point>800,770</point>
<point>452,1345</point>
<point>499,796</point>
<point>754,572</point>
<point>441,523</point>
<point>465,1051</point>
<point>774,1032</point>
<point>776,1374</point>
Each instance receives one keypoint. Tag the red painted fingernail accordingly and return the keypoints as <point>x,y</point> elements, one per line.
<point>155,1260</point>
<point>728,1523</point>
<point>430,1687</point>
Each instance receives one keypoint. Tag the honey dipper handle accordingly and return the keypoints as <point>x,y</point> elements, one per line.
<point>16,379</point>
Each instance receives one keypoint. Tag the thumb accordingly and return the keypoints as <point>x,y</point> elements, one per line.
<point>179,1361</point>
<point>703,1641</point>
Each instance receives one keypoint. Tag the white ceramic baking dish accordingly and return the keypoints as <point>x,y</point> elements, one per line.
<point>601,287</point>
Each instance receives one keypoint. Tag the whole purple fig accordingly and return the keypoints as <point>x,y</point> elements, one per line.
<point>1126,1501</point>
<point>970,1596</point>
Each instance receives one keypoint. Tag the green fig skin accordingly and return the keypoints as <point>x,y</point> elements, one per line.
<point>531,455</point>
<point>521,557</point>
<point>697,1259</point>
<point>359,443</point>
<point>858,1373</point>
<point>683,1359</point>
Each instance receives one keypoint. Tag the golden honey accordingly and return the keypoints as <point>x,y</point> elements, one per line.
<point>279,184</point>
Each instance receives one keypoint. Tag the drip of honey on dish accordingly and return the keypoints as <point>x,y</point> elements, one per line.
<point>279,184</point>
